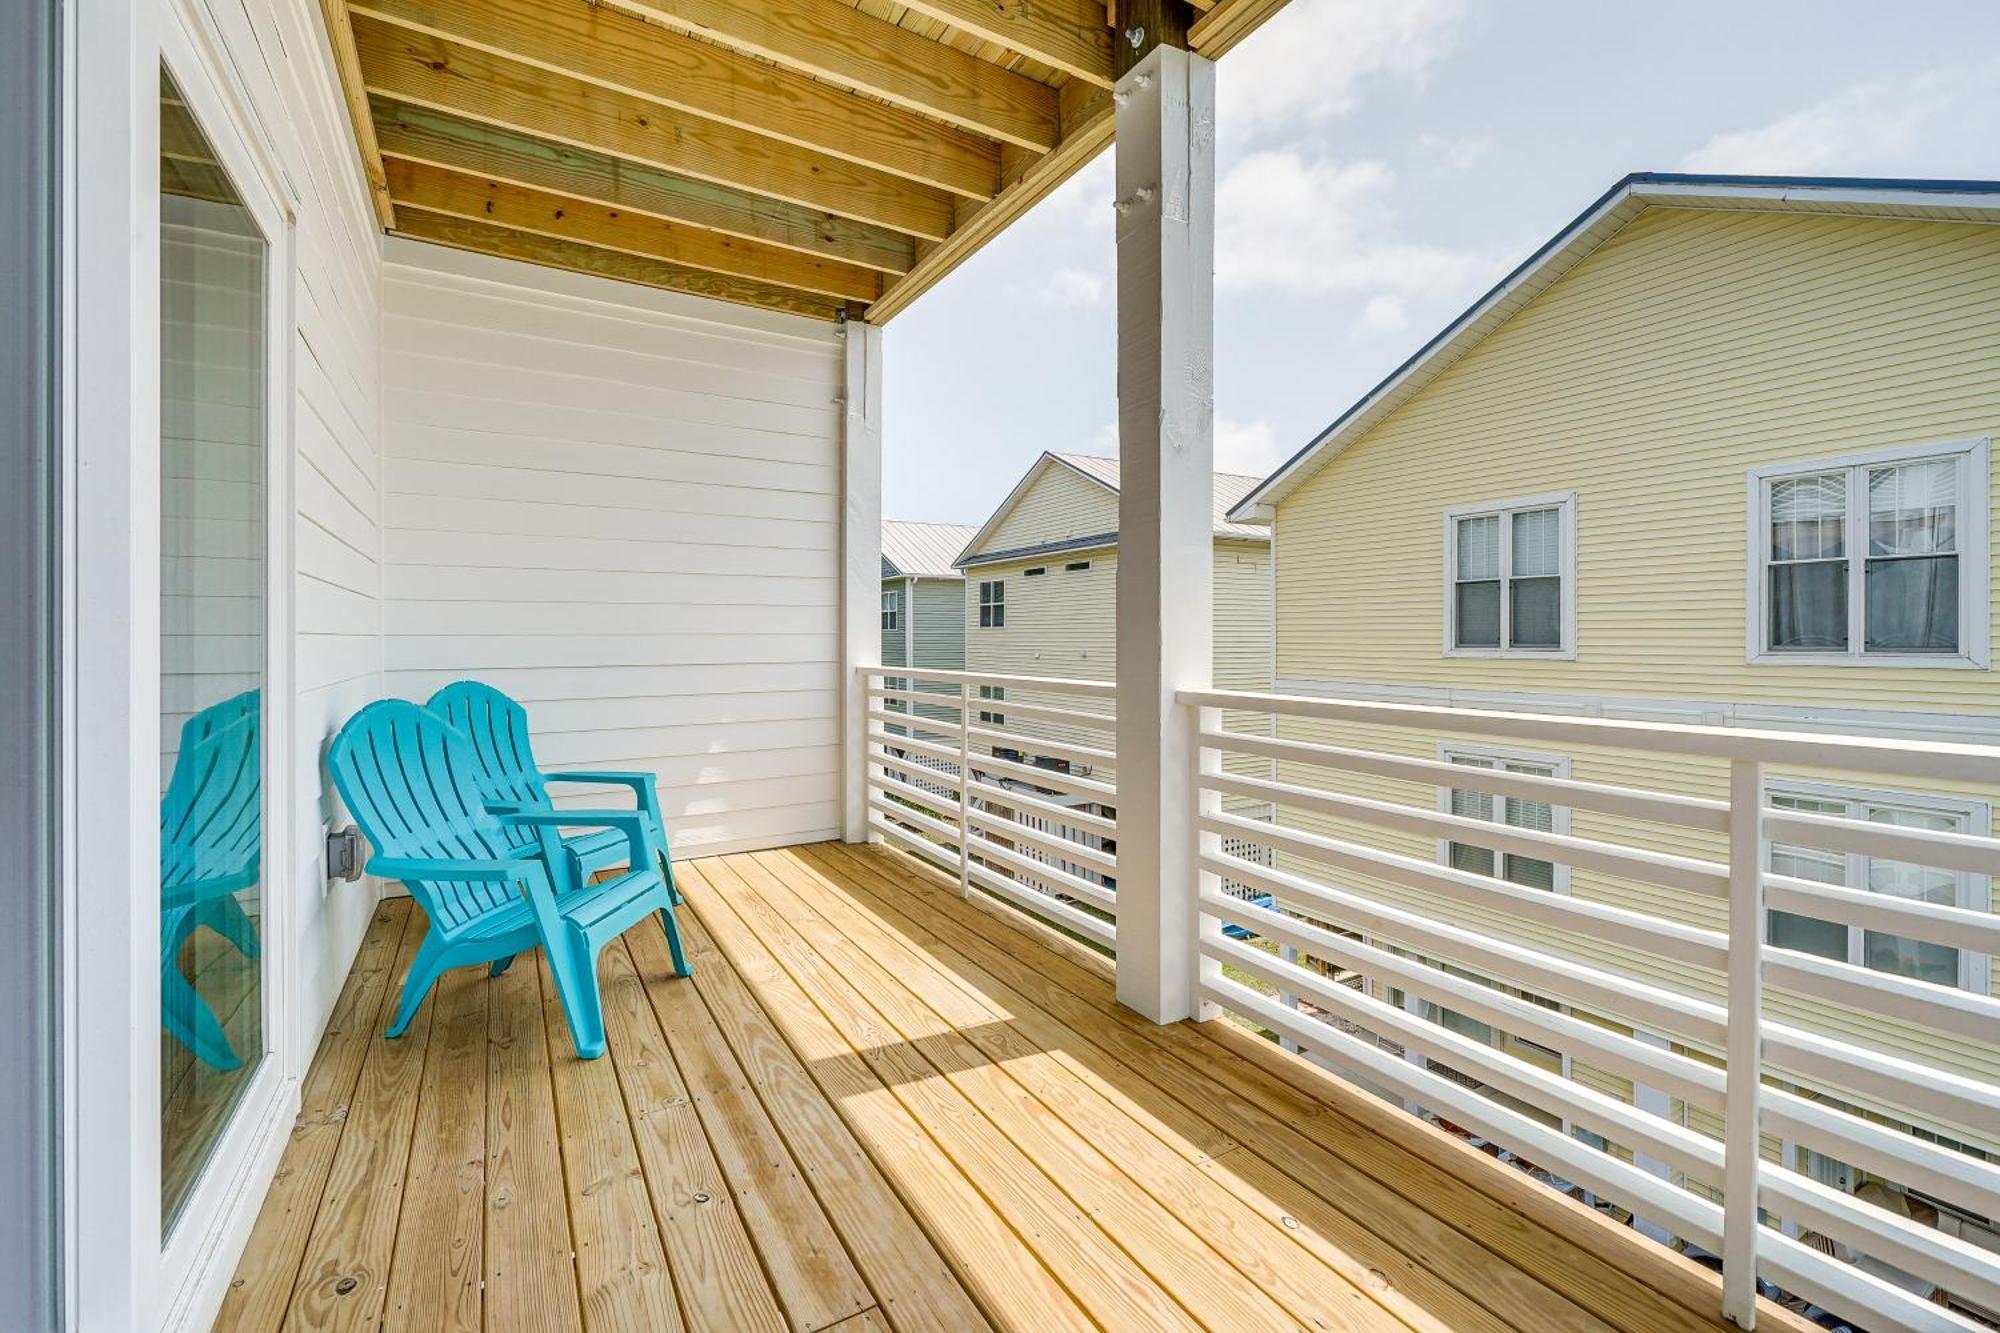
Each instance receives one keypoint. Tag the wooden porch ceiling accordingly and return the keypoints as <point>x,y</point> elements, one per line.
<point>877,1106</point>
<point>813,156</point>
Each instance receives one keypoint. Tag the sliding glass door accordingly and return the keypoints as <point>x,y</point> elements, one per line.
<point>214,439</point>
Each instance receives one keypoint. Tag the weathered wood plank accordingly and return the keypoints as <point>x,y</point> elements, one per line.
<point>988,1256</point>
<point>530,1275</point>
<point>347,65</point>
<point>624,53</point>
<point>808,1267</point>
<point>621,1268</point>
<point>713,1258</point>
<point>915,1286</point>
<point>1070,35</point>
<point>434,1278</point>
<point>344,1274</point>
<point>1093,1155</point>
<point>418,134</point>
<point>1062,1234</point>
<point>1151,1139</point>
<point>261,1291</point>
<point>563,217</point>
<point>1331,1156</point>
<point>416,67</point>
<point>484,237</point>
<point>831,40</point>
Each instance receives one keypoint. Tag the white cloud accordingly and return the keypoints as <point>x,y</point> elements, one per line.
<point>1246,447</point>
<point>1447,153</point>
<point>1942,122</point>
<point>1072,288</point>
<point>1317,228</point>
<point>1311,61</point>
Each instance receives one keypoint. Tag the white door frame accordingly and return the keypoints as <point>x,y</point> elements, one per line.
<point>121,1272</point>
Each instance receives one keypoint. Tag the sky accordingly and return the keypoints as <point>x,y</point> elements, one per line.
<point>1379,165</point>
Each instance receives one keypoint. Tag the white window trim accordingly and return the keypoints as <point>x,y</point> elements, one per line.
<point>1974,589</point>
<point>1975,892</point>
<point>1558,766</point>
<point>892,609</point>
<point>1563,501</point>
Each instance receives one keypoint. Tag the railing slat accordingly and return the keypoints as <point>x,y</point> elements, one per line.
<point>1653,807</point>
<point>1659,868</point>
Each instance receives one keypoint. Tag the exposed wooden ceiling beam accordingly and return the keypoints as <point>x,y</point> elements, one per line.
<point>832,40</point>
<point>417,134</point>
<point>1228,23</point>
<point>624,53</point>
<point>347,64</point>
<point>476,85</point>
<point>464,195</point>
<point>485,238</point>
<point>1071,35</point>
<point>1087,127</point>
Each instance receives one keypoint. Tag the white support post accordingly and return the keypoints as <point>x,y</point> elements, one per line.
<point>1742,1129</point>
<point>1165,203</point>
<point>860,562</point>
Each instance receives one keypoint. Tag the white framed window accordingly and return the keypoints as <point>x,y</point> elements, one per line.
<point>892,610</point>
<point>1542,816</point>
<point>993,604</point>
<point>1510,578</point>
<point>992,693</point>
<point>1883,952</point>
<point>1871,559</point>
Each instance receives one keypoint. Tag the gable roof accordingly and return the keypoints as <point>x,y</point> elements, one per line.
<point>1937,200</point>
<point>922,550</point>
<point>1230,487</point>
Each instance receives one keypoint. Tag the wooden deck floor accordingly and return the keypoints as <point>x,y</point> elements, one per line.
<point>877,1107</point>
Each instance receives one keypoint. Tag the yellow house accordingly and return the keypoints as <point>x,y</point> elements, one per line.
<point>1041,580</point>
<point>1718,452</point>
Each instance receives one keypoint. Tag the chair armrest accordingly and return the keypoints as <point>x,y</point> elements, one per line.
<point>634,780</point>
<point>636,825</point>
<point>643,785</point>
<point>412,867</point>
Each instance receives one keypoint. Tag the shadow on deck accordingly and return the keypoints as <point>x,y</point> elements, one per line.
<point>877,1106</point>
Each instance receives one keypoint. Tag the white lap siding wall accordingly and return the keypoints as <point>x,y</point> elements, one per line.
<point>621,507</point>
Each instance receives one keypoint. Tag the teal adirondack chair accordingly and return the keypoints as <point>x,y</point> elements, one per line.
<point>211,847</point>
<point>512,780</point>
<point>411,781</point>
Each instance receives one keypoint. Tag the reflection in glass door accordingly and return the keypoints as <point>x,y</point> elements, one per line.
<point>213,281</point>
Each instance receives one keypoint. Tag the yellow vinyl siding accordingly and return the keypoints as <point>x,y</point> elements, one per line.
<point>1694,346</point>
<point>1065,623</point>
<point>1060,505</point>
<point>1689,349</point>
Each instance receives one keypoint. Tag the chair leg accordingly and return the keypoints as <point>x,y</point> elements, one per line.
<point>667,874</point>
<point>424,972</point>
<point>188,1019</point>
<point>575,973</point>
<point>226,917</point>
<point>673,929</point>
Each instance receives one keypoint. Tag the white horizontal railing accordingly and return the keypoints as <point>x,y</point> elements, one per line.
<point>1041,839</point>
<point>1652,971</point>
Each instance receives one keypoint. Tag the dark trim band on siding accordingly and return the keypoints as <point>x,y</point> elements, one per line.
<point>1044,548</point>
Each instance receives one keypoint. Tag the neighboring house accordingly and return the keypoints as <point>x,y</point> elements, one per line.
<point>923,594</point>
<point>1718,452</point>
<point>1041,600</point>
<point>923,612</point>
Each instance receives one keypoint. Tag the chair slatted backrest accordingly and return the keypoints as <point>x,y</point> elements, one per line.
<point>211,817</point>
<point>411,781</point>
<point>498,728</point>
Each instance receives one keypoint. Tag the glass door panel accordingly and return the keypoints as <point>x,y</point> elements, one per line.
<point>213,290</point>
